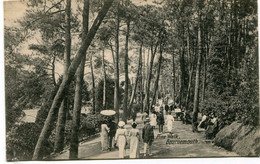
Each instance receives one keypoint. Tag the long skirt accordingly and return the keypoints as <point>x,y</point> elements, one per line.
<point>104,141</point>
<point>134,147</point>
<point>121,142</point>
<point>169,126</point>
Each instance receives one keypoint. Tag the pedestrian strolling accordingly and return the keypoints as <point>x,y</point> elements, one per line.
<point>148,137</point>
<point>134,141</point>
<point>169,122</point>
<point>112,131</point>
<point>160,121</point>
<point>166,108</point>
<point>120,139</point>
<point>104,135</point>
<point>153,118</point>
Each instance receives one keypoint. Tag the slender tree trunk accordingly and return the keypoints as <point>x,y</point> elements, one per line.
<point>147,95</point>
<point>68,77</point>
<point>126,112</point>
<point>104,78</point>
<point>74,140</point>
<point>197,84</point>
<point>153,53</point>
<point>137,77</point>
<point>173,78</point>
<point>146,70</point>
<point>93,85</point>
<point>116,91</point>
<point>142,82</point>
<point>189,86</point>
<point>157,78</point>
<point>205,70</point>
<point>53,71</point>
<point>60,127</point>
<point>191,70</point>
<point>182,75</point>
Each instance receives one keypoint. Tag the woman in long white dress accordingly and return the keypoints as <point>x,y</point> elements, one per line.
<point>134,142</point>
<point>104,136</point>
<point>169,122</point>
<point>120,139</point>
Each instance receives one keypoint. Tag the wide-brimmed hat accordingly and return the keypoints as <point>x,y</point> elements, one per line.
<point>121,123</point>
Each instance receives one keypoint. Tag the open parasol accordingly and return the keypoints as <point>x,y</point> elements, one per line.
<point>108,112</point>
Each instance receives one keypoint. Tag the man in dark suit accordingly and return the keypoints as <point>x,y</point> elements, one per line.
<point>112,131</point>
<point>148,137</point>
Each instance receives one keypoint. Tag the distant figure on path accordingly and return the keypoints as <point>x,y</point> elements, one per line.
<point>112,131</point>
<point>134,141</point>
<point>169,122</point>
<point>148,137</point>
<point>166,109</point>
<point>204,120</point>
<point>160,121</point>
<point>153,118</point>
<point>120,138</point>
<point>134,115</point>
<point>212,128</point>
<point>144,116</point>
<point>104,136</point>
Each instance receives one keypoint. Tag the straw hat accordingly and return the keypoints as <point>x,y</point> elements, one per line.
<point>121,123</point>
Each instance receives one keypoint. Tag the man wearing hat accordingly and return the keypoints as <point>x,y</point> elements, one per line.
<point>148,137</point>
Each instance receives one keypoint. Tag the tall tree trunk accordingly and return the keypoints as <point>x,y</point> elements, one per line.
<point>142,82</point>
<point>173,78</point>
<point>197,85</point>
<point>191,70</point>
<point>93,85</point>
<point>126,112</point>
<point>74,140</point>
<point>137,77</point>
<point>116,70</point>
<point>157,77</point>
<point>147,95</point>
<point>182,75</point>
<point>104,78</point>
<point>205,70</point>
<point>68,77</point>
<point>189,86</point>
<point>146,70</point>
<point>59,137</point>
<point>53,70</point>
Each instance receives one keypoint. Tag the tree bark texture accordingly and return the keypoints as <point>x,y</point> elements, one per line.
<point>60,127</point>
<point>197,84</point>
<point>74,141</point>
<point>126,112</point>
<point>104,78</point>
<point>116,73</point>
<point>93,85</point>
<point>137,77</point>
<point>157,78</point>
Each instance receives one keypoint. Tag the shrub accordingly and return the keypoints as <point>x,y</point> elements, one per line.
<point>21,141</point>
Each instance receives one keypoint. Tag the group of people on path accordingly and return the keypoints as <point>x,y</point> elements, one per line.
<point>210,123</point>
<point>110,131</point>
<point>117,133</point>
<point>158,118</point>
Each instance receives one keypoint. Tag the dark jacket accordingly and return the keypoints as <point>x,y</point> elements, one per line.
<point>112,128</point>
<point>148,135</point>
<point>160,118</point>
